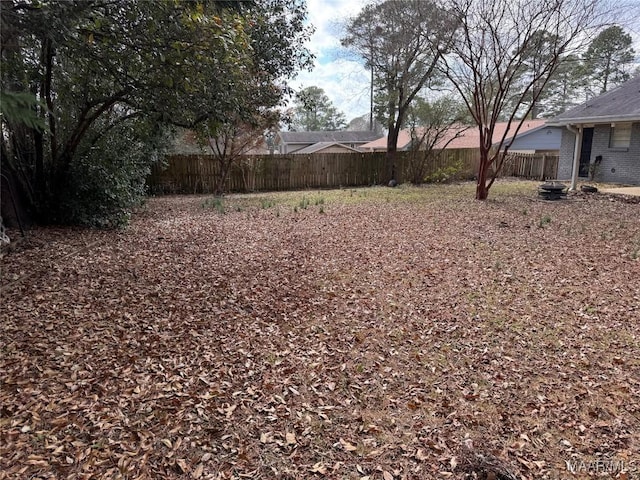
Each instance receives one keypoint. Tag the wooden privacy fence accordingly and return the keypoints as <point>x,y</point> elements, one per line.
<point>199,173</point>
<point>535,166</point>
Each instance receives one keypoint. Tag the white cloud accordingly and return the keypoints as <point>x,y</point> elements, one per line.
<point>345,81</point>
<point>328,18</point>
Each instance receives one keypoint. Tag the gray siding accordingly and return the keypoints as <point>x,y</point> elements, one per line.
<point>547,138</point>
<point>618,165</point>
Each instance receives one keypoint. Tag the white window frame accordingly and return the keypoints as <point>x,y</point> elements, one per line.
<point>620,136</point>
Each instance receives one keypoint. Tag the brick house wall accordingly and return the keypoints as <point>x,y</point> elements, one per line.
<point>618,165</point>
<point>566,154</point>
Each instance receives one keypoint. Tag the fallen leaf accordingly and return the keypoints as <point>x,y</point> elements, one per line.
<point>319,468</point>
<point>197,473</point>
<point>420,455</point>
<point>349,447</point>
<point>182,464</point>
<point>322,326</point>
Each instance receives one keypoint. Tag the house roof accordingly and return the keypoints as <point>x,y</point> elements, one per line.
<point>622,104</point>
<point>186,143</point>
<point>467,136</point>
<point>341,136</point>
<point>404,139</point>
<point>317,147</point>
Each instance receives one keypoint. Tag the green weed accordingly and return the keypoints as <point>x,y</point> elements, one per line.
<point>304,203</point>
<point>267,203</point>
<point>215,203</point>
<point>545,220</point>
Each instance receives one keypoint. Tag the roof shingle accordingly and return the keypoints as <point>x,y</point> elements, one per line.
<point>620,104</point>
<point>341,136</point>
<point>467,137</point>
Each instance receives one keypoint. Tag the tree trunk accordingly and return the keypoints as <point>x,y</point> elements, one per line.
<point>392,148</point>
<point>482,192</point>
<point>391,165</point>
<point>225,167</point>
<point>40,181</point>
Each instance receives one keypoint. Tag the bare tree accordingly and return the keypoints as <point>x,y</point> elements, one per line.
<point>433,126</point>
<point>402,41</point>
<point>232,142</point>
<point>488,63</point>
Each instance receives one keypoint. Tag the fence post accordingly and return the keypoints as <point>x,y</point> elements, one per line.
<point>544,166</point>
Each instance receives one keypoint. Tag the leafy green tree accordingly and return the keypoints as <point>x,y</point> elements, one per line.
<point>563,89</point>
<point>105,71</point>
<point>314,111</point>
<point>20,108</point>
<point>402,41</point>
<point>607,60</point>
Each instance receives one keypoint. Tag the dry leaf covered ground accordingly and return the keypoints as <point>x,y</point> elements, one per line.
<point>408,333</point>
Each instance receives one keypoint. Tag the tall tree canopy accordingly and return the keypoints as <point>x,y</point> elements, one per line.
<point>402,41</point>
<point>314,111</point>
<point>607,62</point>
<point>535,58</point>
<point>608,59</point>
<point>108,78</point>
<point>562,91</point>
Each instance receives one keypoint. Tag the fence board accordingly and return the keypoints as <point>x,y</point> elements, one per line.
<point>198,173</point>
<point>535,166</point>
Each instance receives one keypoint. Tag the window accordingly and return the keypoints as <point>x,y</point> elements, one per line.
<point>620,136</point>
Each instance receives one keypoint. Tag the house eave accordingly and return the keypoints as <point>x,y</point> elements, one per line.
<point>594,120</point>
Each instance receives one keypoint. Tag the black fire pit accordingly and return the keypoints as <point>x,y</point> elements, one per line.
<point>552,191</point>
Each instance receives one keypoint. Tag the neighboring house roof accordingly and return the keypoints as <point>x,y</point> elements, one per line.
<point>380,144</point>
<point>622,104</point>
<point>186,143</point>
<point>342,136</point>
<point>318,147</point>
<point>467,136</point>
